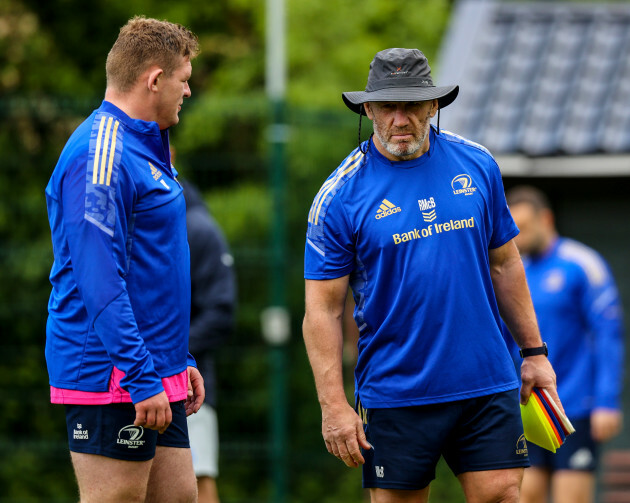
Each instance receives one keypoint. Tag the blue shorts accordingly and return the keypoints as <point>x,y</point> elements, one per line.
<point>483,433</point>
<point>579,451</point>
<point>108,430</point>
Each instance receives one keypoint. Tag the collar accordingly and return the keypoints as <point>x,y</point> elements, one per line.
<point>138,125</point>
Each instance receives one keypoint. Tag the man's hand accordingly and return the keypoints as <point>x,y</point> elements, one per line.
<point>154,413</point>
<point>343,433</point>
<point>196,391</point>
<point>605,424</point>
<point>536,371</point>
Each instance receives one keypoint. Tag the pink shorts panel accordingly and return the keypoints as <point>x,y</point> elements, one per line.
<point>176,388</point>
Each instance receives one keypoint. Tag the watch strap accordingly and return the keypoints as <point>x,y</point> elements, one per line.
<point>541,350</point>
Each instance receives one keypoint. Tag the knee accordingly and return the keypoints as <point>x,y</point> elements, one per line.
<point>189,493</point>
<point>508,492</point>
<point>511,494</point>
<point>126,494</point>
<point>505,494</point>
<point>133,496</point>
<point>499,486</point>
<point>184,492</point>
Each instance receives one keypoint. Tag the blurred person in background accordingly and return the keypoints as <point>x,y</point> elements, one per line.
<point>580,317</point>
<point>119,311</point>
<point>213,304</point>
<point>415,221</point>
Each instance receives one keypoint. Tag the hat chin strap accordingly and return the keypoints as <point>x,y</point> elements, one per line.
<point>438,122</point>
<point>367,148</point>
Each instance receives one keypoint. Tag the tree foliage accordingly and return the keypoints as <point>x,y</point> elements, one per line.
<point>52,58</point>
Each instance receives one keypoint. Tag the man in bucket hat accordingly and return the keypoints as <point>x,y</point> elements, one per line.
<point>415,221</point>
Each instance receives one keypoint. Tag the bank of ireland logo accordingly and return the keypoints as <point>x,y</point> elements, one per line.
<point>462,184</point>
<point>131,436</point>
<point>79,433</point>
<point>521,445</point>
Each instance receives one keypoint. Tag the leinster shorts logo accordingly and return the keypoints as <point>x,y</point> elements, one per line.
<point>130,436</point>
<point>521,446</point>
<point>462,184</point>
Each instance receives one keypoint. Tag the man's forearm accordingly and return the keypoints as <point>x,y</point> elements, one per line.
<point>517,310</point>
<point>514,300</point>
<point>323,338</point>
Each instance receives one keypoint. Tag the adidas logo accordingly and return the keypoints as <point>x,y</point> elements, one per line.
<point>387,208</point>
<point>155,172</point>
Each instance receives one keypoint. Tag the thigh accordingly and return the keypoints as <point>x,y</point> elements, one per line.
<point>569,486</point>
<point>204,441</point>
<point>172,477</point>
<point>492,485</point>
<point>109,480</point>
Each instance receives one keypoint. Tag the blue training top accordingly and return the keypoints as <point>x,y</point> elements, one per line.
<point>580,318</point>
<point>414,237</point>
<point>121,272</point>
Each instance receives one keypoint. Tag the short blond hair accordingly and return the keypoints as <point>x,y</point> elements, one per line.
<point>144,42</point>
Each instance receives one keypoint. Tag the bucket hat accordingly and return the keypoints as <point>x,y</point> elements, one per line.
<point>400,75</point>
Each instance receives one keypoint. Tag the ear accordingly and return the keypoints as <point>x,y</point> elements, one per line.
<point>368,110</point>
<point>434,107</point>
<point>153,78</point>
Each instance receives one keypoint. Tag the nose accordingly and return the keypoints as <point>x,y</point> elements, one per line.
<point>400,116</point>
<point>187,92</point>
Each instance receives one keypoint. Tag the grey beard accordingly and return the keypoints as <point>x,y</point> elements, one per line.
<point>410,149</point>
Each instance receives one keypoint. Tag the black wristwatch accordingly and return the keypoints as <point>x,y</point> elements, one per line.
<point>542,350</point>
